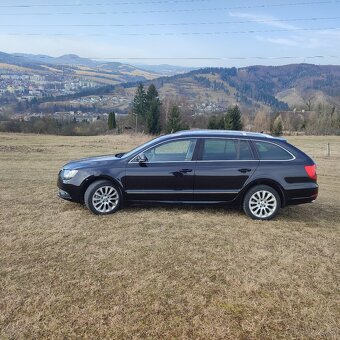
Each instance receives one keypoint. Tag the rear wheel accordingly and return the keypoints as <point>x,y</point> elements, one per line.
<point>102,197</point>
<point>262,203</point>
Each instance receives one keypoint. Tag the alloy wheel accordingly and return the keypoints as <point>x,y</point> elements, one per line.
<point>262,204</point>
<point>105,199</point>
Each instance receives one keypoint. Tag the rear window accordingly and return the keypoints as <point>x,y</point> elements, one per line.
<point>269,151</point>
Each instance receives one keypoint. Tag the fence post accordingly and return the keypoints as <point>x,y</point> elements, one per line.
<point>328,149</point>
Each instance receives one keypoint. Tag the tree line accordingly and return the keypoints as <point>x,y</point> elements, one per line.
<point>52,126</point>
<point>149,114</point>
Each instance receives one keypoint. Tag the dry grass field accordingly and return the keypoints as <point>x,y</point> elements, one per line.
<point>160,272</point>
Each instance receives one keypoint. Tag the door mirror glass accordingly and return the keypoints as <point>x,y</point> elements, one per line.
<point>141,158</point>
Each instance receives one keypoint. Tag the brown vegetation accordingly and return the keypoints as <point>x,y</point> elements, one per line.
<point>160,272</point>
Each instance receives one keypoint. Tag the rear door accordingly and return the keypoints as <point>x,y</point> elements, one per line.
<point>223,167</point>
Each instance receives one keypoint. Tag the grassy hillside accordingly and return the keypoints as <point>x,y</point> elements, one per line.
<point>258,87</point>
<point>160,272</point>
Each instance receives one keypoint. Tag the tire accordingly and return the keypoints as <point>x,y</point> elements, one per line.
<point>262,202</point>
<point>103,198</point>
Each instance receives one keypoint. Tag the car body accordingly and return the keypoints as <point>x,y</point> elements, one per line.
<point>202,166</point>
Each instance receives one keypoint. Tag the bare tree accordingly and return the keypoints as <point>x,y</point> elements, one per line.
<point>309,104</point>
<point>261,121</point>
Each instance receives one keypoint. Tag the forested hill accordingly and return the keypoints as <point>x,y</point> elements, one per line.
<point>272,87</point>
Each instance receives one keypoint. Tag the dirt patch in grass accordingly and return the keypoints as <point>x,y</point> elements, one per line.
<point>161,272</point>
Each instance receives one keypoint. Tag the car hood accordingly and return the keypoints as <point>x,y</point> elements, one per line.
<point>90,162</point>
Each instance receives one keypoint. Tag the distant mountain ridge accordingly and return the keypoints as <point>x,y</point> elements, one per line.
<point>35,61</point>
<point>67,59</point>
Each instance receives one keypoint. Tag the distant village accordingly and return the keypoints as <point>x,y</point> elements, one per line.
<point>23,87</point>
<point>20,87</point>
<point>28,87</point>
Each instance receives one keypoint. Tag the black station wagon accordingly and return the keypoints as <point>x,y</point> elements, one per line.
<point>253,171</point>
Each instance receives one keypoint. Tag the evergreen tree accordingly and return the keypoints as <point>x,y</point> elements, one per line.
<point>140,103</point>
<point>228,122</point>
<point>174,122</point>
<point>151,94</point>
<point>153,105</point>
<point>221,123</point>
<point>233,119</point>
<point>216,123</point>
<point>153,117</point>
<point>147,107</point>
<point>112,121</point>
<point>212,123</point>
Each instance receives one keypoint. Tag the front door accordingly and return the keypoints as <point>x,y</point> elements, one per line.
<point>165,174</point>
<point>223,167</point>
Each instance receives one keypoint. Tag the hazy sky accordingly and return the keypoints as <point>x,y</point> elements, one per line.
<point>225,30</point>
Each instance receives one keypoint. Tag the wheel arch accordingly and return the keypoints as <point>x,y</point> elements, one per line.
<point>265,181</point>
<point>88,181</point>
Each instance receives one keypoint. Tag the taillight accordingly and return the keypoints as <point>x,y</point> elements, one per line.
<point>311,171</point>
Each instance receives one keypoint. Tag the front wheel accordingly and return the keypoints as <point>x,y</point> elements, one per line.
<point>262,203</point>
<point>102,197</point>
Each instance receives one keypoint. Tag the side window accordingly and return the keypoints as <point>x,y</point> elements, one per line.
<point>269,151</point>
<point>175,151</point>
<point>219,149</point>
<point>245,152</point>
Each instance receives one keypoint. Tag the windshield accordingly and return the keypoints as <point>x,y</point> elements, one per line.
<point>141,147</point>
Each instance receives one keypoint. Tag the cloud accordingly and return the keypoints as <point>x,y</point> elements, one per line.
<point>263,20</point>
<point>313,39</point>
<point>305,41</point>
<point>330,33</point>
<point>279,41</point>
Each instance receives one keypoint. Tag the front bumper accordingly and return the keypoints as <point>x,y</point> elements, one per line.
<point>69,192</point>
<point>64,195</point>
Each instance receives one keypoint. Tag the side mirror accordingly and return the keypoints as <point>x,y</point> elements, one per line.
<point>141,158</point>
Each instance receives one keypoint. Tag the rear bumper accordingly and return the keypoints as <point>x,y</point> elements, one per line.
<point>305,194</point>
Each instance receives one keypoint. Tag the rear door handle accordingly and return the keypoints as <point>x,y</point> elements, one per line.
<point>244,170</point>
<point>184,171</point>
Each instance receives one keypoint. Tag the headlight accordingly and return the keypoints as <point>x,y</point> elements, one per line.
<point>68,174</point>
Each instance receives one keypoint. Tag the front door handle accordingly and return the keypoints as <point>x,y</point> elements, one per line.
<point>244,170</point>
<point>184,171</point>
